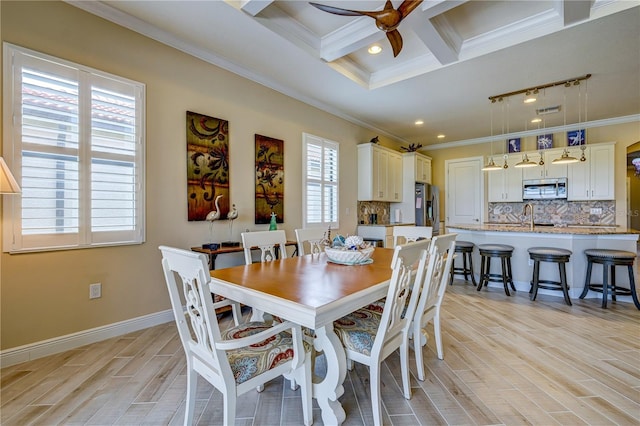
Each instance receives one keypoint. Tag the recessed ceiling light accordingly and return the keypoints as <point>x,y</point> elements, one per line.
<point>536,120</point>
<point>419,122</point>
<point>529,99</point>
<point>374,49</point>
<point>440,136</point>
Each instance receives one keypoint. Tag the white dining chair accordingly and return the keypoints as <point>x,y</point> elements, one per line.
<point>270,243</point>
<point>407,234</point>
<point>313,237</point>
<point>369,338</point>
<point>431,295</point>
<point>242,358</point>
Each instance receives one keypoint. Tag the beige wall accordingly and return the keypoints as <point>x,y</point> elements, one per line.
<point>623,134</point>
<point>45,295</point>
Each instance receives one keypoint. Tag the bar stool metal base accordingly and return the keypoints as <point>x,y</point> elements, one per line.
<point>549,254</point>
<point>609,259</point>
<point>466,248</point>
<point>502,251</point>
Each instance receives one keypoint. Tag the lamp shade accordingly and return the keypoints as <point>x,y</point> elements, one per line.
<point>8,184</point>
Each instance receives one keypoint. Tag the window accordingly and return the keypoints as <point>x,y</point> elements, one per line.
<point>75,140</point>
<point>320,186</point>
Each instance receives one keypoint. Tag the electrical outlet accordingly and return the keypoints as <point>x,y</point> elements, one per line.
<point>95,291</point>
<point>596,210</point>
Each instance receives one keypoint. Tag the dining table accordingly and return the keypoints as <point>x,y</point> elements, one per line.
<point>311,291</point>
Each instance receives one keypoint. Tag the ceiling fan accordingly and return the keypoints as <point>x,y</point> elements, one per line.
<point>387,19</point>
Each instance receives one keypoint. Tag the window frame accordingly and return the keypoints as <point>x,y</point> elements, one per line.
<point>308,139</point>
<point>88,155</point>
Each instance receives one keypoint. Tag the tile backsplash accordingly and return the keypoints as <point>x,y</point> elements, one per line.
<point>379,208</point>
<point>558,212</point>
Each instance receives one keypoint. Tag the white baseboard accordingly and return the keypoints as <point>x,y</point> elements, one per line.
<point>71,341</point>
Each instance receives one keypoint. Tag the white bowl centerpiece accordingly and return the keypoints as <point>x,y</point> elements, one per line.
<point>353,251</point>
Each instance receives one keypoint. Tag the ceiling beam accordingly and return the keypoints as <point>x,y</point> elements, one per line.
<point>442,40</point>
<point>253,7</point>
<point>574,11</point>
<point>433,28</point>
<point>347,39</point>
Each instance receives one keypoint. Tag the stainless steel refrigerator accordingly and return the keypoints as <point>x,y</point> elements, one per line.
<point>427,206</point>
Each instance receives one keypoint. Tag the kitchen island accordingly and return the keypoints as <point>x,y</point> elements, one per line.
<point>382,232</point>
<point>571,237</point>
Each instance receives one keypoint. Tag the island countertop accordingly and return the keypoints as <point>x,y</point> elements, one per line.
<point>574,238</point>
<point>544,229</point>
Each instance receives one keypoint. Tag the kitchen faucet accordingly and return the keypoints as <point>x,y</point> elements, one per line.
<point>529,207</point>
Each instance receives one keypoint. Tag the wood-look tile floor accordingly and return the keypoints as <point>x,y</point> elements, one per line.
<point>507,361</point>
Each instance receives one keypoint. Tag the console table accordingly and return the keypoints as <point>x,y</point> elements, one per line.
<point>222,250</point>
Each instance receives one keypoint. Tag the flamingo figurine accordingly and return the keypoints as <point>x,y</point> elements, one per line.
<point>231,216</point>
<point>213,215</point>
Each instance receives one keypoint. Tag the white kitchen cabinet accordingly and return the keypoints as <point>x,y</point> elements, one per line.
<point>592,179</point>
<point>506,185</point>
<point>548,170</point>
<point>394,185</point>
<point>418,166</point>
<point>379,173</point>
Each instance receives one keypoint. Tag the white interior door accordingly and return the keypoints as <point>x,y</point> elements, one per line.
<point>465,191</point>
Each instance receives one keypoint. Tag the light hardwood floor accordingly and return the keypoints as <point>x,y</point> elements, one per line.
<point>507,361</point>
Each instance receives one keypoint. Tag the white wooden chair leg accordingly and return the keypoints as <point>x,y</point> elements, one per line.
<point>376,402</point>
<point>237,314</point>
<point>436,332</point>
<point>190,403</point>
<point>229,401</point>
<point>417,349</point>
<point>404,367</point>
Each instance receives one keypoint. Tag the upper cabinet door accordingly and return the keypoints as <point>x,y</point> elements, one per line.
<point>379,173</point>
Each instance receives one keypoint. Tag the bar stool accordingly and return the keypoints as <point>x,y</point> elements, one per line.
<point>549,254</point>
<point>502,251</point>
<point>610,258</point>
<point>466,248</point>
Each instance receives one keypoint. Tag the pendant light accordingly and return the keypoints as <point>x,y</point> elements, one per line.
<point>525,158</point>
<point>583,147</point>
<point>491,165</point>
<point>505,165</point>
<point>526,162</point>
<point>565,158</point>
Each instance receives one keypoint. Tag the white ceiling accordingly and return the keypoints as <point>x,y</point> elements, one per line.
<point>456,55</point>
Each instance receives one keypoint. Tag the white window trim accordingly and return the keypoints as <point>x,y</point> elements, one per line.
<point>13,240</point>
<point>307,139</point>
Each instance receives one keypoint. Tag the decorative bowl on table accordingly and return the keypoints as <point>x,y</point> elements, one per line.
<point>353,252</point>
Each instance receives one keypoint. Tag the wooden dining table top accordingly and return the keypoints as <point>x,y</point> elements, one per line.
<point>311,280</point>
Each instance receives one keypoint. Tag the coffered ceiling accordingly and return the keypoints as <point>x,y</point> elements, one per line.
<point>455,55</point>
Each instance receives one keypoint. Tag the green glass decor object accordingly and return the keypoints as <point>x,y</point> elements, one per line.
<point>272,225</point>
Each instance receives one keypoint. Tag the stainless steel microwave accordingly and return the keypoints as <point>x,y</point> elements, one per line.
<point>544,189</point>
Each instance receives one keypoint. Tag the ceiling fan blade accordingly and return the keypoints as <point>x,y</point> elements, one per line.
<point>396,41</point>
<point>407,7</point>
<point>336,10</point>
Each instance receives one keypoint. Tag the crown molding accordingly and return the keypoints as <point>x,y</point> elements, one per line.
<point>586,125</point>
